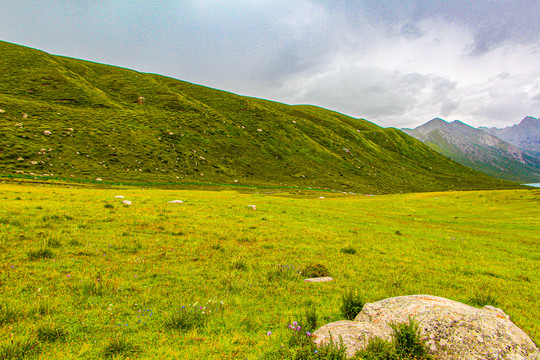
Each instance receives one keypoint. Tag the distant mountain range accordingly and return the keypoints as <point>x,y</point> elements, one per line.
<point>525,135</point>
<point>78,119</point>
<point>507,153</point>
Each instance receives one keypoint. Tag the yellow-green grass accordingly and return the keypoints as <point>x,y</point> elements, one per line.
<point>153,257</point>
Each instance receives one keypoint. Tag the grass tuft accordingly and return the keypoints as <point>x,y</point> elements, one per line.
<point>351,304</point>
<point>43,253</point>
<point>481,299</point>
<point>348,250</point>
<point>119,345</point>
<point>239,265</point>
<point>19,349</point>
<point>51,333</point>
<point>54,243</point>
<point>95,287</point>
<point>313,270</point>
<point>407,341</point>
<point>186,318</point>
<point>8,314</point>
<point>378,349</point>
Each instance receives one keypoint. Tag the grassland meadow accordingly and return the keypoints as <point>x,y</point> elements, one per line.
<point>84,275</point>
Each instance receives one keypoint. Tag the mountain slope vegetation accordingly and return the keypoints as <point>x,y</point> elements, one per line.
<point>72,118</point>
<point>478,149</point>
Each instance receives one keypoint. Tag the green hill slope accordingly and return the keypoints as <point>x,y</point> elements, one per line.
<point>70,117</point>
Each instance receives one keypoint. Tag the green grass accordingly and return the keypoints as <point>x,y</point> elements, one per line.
<point>191,133</point>
<point>117,284</point>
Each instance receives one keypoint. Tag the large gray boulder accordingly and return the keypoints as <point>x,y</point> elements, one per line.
<point>452,330</point>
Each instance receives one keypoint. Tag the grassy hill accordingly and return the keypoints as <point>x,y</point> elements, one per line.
<point>74,118</point>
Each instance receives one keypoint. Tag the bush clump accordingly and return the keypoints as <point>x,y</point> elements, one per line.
<point>351,305</point>
<point>51,333</point>
<point>119,345</point>
<point>313,270</point>
<point>348,250</point>
<point>406,344</point>
<point>19,348</point>
<point>40,254</point>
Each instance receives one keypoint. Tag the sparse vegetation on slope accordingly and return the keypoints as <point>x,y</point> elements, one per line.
<point>73,118</point>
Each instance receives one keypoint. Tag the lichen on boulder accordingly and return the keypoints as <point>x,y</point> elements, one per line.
<point>451,330</point>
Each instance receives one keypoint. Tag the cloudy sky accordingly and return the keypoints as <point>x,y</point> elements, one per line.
<point>396,63</point>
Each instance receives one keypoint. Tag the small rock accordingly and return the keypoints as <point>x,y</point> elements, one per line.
<point>319,279</point>
<point>353,334</point>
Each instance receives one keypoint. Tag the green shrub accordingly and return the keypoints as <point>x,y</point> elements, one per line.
<point>95,287</point>
<point>310,319</point>
<point>482,299</point>
<point>348,250</point>
<point>407,341</point>
<point>326,351</point>
<point>51,333</point>
<point>41,308</point>
<point>378,349</point>
<point>54,243</point>
<point>313,270</point>
<point>351,305</point>
<point>239,265</point>
<point>218,247</point>
<point>40,254</point>
<point>19,349</point>
<point>8,314</point>
<point>119,345</point>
